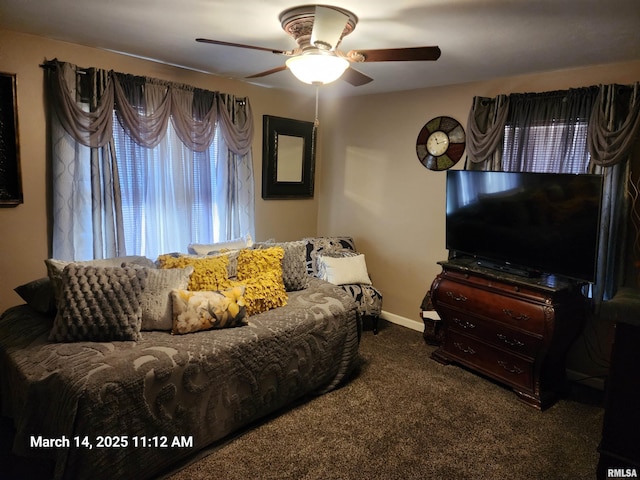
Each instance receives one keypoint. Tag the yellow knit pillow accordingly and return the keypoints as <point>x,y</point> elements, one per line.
<point>261,272</point>
<point>209,273</point>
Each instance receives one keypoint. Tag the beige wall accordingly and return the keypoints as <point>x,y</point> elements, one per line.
<point>374,188</point>
<point>24,230</point>
<point>369,182</point>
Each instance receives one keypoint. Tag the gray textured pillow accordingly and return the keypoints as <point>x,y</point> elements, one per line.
<point>157,312</point>
<point>55,267</point>
<point>294,270</point>
<point>99,304</point>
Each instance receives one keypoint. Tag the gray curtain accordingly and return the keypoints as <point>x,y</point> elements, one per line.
<point>238,173</point>
<point>485,132</point>
<point>83,102</point>
<point>612,113</point>
<point>614,124</point>
<point>547,131</point>
<point>614,129</point>
<point>89,227</point>
<point>94,129</point>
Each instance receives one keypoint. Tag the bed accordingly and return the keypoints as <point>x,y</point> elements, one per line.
<point>133,409</point>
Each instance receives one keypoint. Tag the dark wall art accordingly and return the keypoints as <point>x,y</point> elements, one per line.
<point>288,158</point>
<point>10,179</point>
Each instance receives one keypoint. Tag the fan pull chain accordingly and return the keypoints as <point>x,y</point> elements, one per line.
<point>316,122</point>
<point>314,132</point>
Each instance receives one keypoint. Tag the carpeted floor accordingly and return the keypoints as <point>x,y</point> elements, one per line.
<point>404,416</point>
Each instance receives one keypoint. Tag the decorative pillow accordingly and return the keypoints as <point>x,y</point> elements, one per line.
<point>209,272</point>
<point>39,295</point>
<point>322,245</point>
<point>99,304</point>
<point>343,270</point>
<point>232,266</point>
<point>261,272</point>
<point>195,311</point>
<point>294,270</point>
<point>155,300</point>
<point>55,267</point>
<point>208,248</point>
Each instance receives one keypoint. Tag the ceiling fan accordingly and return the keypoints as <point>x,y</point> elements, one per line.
<point>318,30</point>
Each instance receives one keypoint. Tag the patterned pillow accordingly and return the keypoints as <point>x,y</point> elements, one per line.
<point>294,270</point>
<point>155,300</point>
<point>261,272</point>
<point>99,304</point>
<point>209,272</point>
<point>195,311</point>
<point>323,245</point>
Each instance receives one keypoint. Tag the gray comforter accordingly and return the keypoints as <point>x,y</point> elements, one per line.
<point>132,409</point>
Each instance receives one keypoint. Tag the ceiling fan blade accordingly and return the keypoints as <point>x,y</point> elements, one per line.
<point>396,54</point>
<point>268,72</point>
<point>355,78</point>
<point>328,26</point>
<point>240,45</point>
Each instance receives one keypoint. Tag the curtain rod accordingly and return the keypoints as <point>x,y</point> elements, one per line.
<point>81,71</point>
<point>240,101</point>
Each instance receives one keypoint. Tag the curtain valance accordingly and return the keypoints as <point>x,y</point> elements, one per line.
<point>195,113</point>
<point>485,125</point>
<point>613,121</point>
<point>612,133</point>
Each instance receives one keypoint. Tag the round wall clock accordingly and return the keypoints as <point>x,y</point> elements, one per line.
<point>440,143</point>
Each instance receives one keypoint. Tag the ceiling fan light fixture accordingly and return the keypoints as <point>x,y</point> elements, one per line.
<point>317,68</point>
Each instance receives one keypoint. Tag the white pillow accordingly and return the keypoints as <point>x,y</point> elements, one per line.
<point>206,248</point>
<point>343,270</point>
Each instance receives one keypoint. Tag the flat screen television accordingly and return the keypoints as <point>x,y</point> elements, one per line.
<point>526,223</point>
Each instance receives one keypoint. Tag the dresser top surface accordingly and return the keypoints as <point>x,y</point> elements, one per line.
<point>550,283</point>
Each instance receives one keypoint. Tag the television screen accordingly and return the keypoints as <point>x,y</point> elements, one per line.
<point>542,223</point>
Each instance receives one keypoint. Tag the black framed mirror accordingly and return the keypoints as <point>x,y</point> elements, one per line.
<point>10,177</point>
<point>288,158</point>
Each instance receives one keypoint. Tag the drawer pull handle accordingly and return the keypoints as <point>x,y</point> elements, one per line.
<point>457,297</point>
<point>514,342</point>
<point>464,324</point>
<point>510,369</point>
<point>515,316</point>
<point>464,349</point>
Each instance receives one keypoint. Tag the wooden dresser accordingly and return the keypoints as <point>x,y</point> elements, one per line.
<point>513,329</point>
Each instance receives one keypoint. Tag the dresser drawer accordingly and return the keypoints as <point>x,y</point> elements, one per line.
<point>522,290</point>
<point>503,366</point>
<point>496,334</point>
<point>491,304</point>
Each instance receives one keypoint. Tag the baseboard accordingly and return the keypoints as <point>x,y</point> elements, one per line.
<point>404,321</point>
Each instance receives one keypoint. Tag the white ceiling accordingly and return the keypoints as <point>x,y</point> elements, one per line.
<point>479,39</point>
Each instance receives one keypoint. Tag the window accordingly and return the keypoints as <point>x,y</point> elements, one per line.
<point>168,194</point>
<point>142,166</point>
<point>557,147</point>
